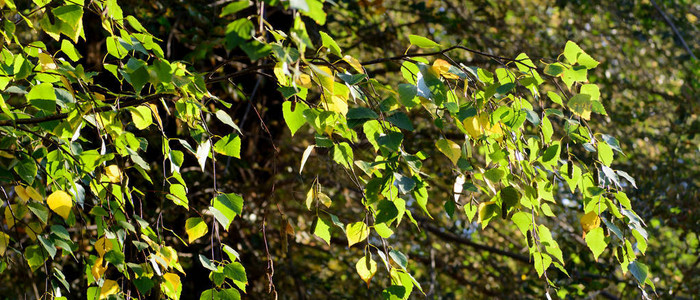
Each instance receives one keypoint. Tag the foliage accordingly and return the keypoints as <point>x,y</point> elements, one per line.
<point>125,168</point>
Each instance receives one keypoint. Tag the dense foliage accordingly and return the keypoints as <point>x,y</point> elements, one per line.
<point>175,149</point>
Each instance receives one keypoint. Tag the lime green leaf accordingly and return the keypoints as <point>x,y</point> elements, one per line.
<point>330,44</point>
<point>595,239</point>
<point>294,118</point>
<point>178,194</point>
<point>356,232</point>
<point>195,228</point>
<point>43,97</point>
<point>141,116</point>
<point>422,42</point>
<point>234,7</point>
<point>226,207</point>
<point>366,268</point>
<point>35,256</point>
<point>236,272</point>
<point>342,154</point>
<point>229,145</point>
<point>605,153</point>
<point>323,229</point>
<point>69,49</point>
<point>450,149</point>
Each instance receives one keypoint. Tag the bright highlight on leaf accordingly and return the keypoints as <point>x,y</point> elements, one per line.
<point>595,239</point>
<point>103,245</point>
<point>61,203</point>
<point>109,287</point>
<point>356,232</point>
<point>195,228</point>
<point>114,174</point>
<point>450,149</point>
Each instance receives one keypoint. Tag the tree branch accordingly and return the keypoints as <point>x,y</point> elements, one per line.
<point>446,235</point>
<point>61,116</point>
<point>673,27</point>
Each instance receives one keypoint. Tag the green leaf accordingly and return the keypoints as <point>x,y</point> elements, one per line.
<point>43,97</point>
<point>356,232</point>
<point>640,271</point>
<point>422,42</point>
<point>494,175</point>
<point>69,49</point>
<point>207,263</point>
<point>234,7</point>
<point>390,142</point>
<point>195,228</point>
<point>450,149</point>
<point>236,272</point>
<point>361,113</point>
<point>229,145</point>
<point>35,256</point>
<point>386,212</point>
<point>342,154</point>
<point>605,153</point>
<point>323,229</point>
<point>595,239</point>
<point>294,119</point>
<point>39,210</point>
<point>226,119</point>
<point>226,208</point>
<point>400,120</point>
<point>399,258</point>
<point>407,95</point>
<point>330,44</point>
<point>27,170</point>
<point>405,183</point>
<point>141,115</point>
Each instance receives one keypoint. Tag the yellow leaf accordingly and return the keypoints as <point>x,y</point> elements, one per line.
<point>335,104</point>
<point>22,194</point>
<point>4,241</point>
<point>303,80</point>
<point>103,245</point>
<point>442,67</point>
<point>473,127</point>
<point>113,174</point>
<point>173,279</point>
<point>450,149</point>
<point>589,222</point>
<point>61,203</point>
<point>281,72</point>
<point>109,287</point>
<point>31,192</point>
<point>98,269</point>
<point>354,63</point>
<point>366,268</point>
<point>195,228</point>
<point>46,62</point>
<point>169,255</point>
<point>154,111</point>
<point>9,219</point>
<point>32,228</point>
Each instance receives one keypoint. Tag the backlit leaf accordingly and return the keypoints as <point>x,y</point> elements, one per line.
<point>356,232</point>
<point>366,267</point>
<point>61,203</point>
<point>195,228</point>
